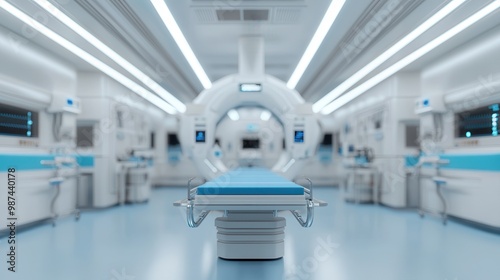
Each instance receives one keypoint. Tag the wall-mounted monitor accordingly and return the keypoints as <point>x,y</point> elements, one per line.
<point>327,140</point>
<point>172,140</point>
<point>250,87</point>
<point>18,122</point>
<point>251,143</point>
<point>478,122</point>
<point>152,143</point>
<point>84,135</point>
<point>411,135</point>
<point>200,136</point>
<point>298,136</point>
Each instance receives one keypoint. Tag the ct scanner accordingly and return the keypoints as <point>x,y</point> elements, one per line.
<point>250,198</point>
<point>250,87</point>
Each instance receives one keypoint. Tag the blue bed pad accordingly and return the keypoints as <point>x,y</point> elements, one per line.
<point>251,172</point>
<point>256,188</point>
<point>250,181</point>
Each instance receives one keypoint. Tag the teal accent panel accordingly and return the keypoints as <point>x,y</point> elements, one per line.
<point>325,154</point>
<point>411,161</point>
<point>150,162</point>
<point>85,161</point>
<point>479,162</point>
<point>24,162</point>
<point>33,162</point>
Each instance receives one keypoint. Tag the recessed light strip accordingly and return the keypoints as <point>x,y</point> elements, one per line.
<point>149,96</point>
<point>141,76</point>
<point>346,98</point>
<point>363,72</point>
<point>169,21</point>
<point>323,28</point>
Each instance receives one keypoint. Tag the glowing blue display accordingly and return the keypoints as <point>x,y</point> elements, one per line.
<point>250,87</point>
<point>18,122</point>
<point>200,136</point>
<point>478,122</point>
<point>252,127</point>
<point>299,136</point>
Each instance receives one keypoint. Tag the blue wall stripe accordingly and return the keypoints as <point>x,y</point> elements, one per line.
<point>85,161</point>
<point>411,161</point>
<point>33,162</point>
<point>24,162</point>
<point>479,162</point>
<point>484,162</point>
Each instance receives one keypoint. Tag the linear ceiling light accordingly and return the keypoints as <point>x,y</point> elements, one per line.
<point>346,98</point>
<point>323,28</point>
<point>150,83</point>
<point>169,21</point>
<point>149,96</point>
<point>363,72</point>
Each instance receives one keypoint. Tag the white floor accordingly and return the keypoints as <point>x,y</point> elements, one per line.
<point>352,242</point>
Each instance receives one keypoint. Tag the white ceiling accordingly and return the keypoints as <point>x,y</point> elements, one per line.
<point>133,29</point>
<point>216,43</point>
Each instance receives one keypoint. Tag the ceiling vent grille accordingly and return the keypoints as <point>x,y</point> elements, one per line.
<point>278,15</point>
<point>286,15</point>
<point>251,2</point>
<point>256,15</point>
<point>228,15</point>
<point>206,15</point>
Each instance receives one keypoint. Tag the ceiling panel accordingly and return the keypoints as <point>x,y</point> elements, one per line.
<point>212,28</point>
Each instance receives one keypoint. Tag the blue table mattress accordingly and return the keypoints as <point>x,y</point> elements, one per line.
<point>250,181</point>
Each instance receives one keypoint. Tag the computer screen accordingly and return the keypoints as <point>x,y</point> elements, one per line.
<point>200,136</point>
<point>173,140</point>
<point>327,140</point>
<point>478,122</point>
<point>152,140</point>
<point>250,87</point>
<point>18,122</point>
<point>299,136</point>
<point>251,143</point>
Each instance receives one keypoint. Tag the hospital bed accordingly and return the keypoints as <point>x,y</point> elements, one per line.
<point>250,199</point>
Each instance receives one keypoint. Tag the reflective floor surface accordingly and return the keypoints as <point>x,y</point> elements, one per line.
<point>346,241</point>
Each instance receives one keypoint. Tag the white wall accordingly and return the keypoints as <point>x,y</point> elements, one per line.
<point>471,64</point>
<point>392,104</point>
<point>470,76</point>
<point>122,125</point>
<point>31,78</point>
<point>464,79</point>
